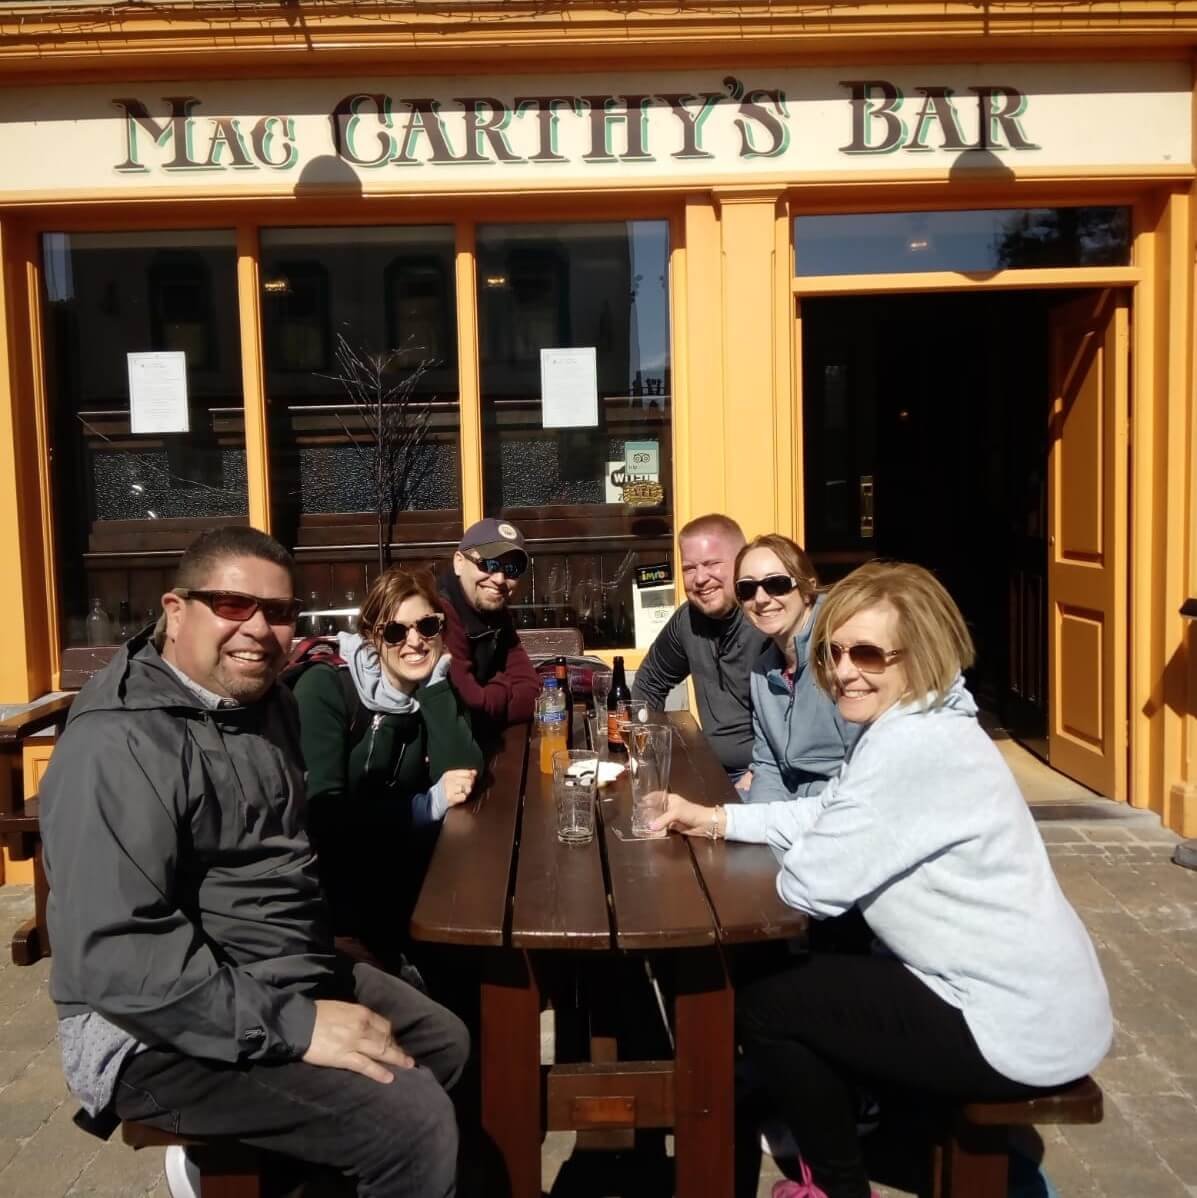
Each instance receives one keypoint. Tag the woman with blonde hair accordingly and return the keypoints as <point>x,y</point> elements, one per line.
<point>386,758</point>
<point>989,987</point>
<point>798,738</point>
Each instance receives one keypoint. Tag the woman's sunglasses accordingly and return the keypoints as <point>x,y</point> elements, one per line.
<point>868,659</point>
<point>395,633</point>
<point>239,607</point>
<point>772,584</point>
<point>509,567</point>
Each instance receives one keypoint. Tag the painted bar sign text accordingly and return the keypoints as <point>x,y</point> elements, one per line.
<point>372,129</point>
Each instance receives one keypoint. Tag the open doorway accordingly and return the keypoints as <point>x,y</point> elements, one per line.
<point>963,432</point>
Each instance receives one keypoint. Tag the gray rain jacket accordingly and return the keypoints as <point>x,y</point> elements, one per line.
<point>184,901</point>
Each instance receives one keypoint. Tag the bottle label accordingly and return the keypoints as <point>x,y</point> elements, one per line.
<point>553,716</point>
<point>613,736</point>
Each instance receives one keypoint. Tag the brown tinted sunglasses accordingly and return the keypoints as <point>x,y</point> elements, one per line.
<point>868,659</point>
<point>239,607</point>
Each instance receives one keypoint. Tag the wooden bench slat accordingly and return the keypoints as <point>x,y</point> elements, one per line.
<point>560,897</point>
<point>1080,1102</point>
<point>679,915</point>
<point>456,907</point>
<point>739,879</point>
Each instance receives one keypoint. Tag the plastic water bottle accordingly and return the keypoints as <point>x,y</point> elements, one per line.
<point>551,717</point>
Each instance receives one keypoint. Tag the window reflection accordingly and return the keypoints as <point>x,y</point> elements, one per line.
<point>352,317</point>
<point>998,239</point>
<point>599,286</point>
<point>126,504</point>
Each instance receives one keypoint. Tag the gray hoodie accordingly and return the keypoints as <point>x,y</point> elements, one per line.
<point>926,831</point>
<point>799,738</point>
<point>184,902</point>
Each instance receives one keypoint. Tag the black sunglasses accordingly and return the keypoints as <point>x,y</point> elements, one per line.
<point>868,659</point>
<point>510,567</point>
<point>237,606</point>
<point>395,633</point>
<point>772,584</point>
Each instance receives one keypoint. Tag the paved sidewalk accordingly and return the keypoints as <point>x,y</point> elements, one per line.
<point>1140,908</point>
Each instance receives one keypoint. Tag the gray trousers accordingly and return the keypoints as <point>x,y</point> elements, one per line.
<point>395,1141</point>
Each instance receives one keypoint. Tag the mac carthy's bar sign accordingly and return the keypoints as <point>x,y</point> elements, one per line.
<point>388,134</point>
<point>376,129</point>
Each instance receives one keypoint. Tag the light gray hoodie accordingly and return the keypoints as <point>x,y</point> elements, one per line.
<point>926,831</point>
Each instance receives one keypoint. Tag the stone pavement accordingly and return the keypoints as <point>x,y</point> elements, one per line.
<point>1140,908</point>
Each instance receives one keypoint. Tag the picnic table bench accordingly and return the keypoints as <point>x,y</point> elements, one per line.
<point>500,882</point>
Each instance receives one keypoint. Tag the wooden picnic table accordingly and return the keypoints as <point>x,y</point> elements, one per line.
<point>502,883</point>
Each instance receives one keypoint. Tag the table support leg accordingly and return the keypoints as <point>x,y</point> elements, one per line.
<point>704,1096</point>
<point>510,1058</point>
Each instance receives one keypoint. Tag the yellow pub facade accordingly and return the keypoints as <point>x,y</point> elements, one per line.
<point>900,280</point>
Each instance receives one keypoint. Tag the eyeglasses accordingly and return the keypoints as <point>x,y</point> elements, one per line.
<point>239,607</point>
<point>772,584</point>
<point>395,633</point>
<point>868,659</point>
<point>509,567</point>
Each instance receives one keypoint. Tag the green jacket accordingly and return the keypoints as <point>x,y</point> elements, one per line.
<point>399,757</point>
<point>370,807</point>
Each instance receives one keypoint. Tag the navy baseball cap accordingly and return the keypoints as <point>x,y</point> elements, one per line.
<point>493,538</point>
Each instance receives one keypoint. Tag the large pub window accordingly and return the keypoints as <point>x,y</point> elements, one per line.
<point>384,298</point>
<point>566,479</point>
<point>126,503</point>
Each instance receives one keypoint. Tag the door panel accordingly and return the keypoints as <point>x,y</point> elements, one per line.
<point>1087,552</point>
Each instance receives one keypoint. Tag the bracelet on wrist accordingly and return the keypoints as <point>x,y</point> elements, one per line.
<point>713,828</point>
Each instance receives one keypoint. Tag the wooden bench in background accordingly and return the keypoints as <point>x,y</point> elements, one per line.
<point>973,1159</point>
<point>20,831</point>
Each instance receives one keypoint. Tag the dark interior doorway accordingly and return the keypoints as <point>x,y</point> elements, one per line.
<point>926,421</point>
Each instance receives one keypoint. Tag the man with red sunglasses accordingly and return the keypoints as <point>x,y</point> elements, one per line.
<point>193,969</point>
<point>491,670</point>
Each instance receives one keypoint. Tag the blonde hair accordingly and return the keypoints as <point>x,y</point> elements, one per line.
<point>935,642</point>
<point>389,590</point>
<point>792,557</point>
<point>714,524</point>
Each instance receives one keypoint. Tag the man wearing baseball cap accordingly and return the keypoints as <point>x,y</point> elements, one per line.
<point>491,670</point>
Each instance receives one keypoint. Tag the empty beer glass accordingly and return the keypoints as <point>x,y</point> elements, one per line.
<point>575,783</point>
<point>650,750</point>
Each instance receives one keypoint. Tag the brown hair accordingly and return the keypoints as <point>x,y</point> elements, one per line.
<point>712,524</point>
<point>791,555</point>
<point>931,631</point>
<point>390,589</point>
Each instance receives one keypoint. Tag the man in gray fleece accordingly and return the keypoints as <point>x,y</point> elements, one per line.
<point>709,639</point>
<point>193,969</point>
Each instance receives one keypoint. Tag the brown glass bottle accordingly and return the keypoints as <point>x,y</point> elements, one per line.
<point>561,673</point>
<point>619,694</point>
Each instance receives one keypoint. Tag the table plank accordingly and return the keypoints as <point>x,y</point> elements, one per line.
<point>464,897</point>
<point>657,897</point>
<point>560,897</point>
<point>739,879</point>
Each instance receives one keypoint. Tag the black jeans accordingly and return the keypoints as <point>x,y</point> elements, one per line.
<point>394,1140</point>
<point>826,1022</point>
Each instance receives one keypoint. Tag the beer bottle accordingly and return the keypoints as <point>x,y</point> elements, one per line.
<point>620,693</point>
<point>561,673</point>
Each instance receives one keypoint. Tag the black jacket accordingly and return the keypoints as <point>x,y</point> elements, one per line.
<point>184,901</point>
<point>720,655</point>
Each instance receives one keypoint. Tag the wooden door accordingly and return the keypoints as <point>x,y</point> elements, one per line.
<point>1087,541</point>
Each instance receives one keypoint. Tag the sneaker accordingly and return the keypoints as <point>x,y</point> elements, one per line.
<point>182,1173</point>
<point>804,1189</point>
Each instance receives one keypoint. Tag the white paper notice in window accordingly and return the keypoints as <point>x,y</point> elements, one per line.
<point>158,392</point>
<point>568,388</point>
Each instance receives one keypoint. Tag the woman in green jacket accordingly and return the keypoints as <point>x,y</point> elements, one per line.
<point>386,758</point>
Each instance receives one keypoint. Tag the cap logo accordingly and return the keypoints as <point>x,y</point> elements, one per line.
<point>507,532</point>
